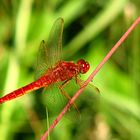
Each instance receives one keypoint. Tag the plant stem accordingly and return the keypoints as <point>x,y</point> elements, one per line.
<point>114,48</point>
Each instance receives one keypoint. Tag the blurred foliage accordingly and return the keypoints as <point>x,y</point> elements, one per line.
<point>92,27</point>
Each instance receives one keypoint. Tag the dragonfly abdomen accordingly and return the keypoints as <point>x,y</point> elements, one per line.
<point>21,91</point>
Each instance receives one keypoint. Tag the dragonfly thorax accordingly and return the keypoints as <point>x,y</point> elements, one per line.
<point>67,70</point>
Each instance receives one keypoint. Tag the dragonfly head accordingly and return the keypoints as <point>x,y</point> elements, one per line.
<point>83,66</point>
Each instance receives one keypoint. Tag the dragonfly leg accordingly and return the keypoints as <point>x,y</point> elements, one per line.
<point>80,82</point>
<point>66,95</point>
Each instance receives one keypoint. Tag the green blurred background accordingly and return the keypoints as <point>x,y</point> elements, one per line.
<point>91,28</point>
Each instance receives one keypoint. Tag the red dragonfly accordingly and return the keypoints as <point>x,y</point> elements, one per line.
<point>50,68</point>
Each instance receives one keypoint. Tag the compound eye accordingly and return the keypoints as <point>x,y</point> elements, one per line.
<point>83,66</point>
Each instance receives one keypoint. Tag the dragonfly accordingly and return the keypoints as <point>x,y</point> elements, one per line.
<point>51,68</point>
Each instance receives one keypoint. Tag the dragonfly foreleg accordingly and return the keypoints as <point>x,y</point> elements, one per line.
<point>80,82</point>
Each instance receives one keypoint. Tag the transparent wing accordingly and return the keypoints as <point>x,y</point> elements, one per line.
<point>50,52</point>
<point>55,101</point>
<point>41,60</point>
<point>54,49</point>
